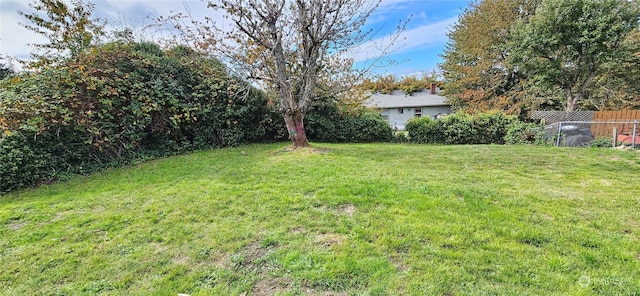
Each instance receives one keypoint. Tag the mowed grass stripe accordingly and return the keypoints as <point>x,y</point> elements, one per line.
<point>342,219</point>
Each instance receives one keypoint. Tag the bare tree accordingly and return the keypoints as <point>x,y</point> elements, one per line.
<point>294,47</point>
<point>295,41</point>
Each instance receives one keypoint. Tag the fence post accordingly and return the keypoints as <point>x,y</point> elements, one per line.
<point>615,137</point>
<point>635,132</point>
<point>559,133</point>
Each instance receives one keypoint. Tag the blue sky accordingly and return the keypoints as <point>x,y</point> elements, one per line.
<point>425,34</point>
<point>424,38</point>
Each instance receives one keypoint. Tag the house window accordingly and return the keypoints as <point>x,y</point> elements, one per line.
<point>400,110</point>
<point>418,112</point>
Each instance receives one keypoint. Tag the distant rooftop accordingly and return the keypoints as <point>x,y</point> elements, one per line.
<point>398,99</point>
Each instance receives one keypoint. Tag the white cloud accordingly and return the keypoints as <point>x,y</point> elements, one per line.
<point>150,9</point>
<point>414,39</point>
<point>14,39</point>
<point>394,4</point>
<point>428,32</point>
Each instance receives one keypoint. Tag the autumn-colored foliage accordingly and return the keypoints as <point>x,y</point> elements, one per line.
<point>386,84</point>
<point>476,70</point>
<point>68,28</point>
<point>521,55</point>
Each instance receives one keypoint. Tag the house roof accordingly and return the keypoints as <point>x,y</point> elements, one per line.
<point>398,99</point>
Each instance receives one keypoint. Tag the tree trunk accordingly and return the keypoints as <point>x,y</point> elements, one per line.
<point>571,105</point>
<point>572,100</point>
<point>295,127</point>
<point>574,97</point>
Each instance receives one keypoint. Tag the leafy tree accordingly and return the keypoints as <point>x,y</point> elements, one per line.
<point>69,29</point>
<point>294,46</point>
<point>568,42</point>
<point>476,69</point>
<point>616,87</point>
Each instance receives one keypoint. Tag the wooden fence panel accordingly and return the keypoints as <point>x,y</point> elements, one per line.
<point>606,130</point>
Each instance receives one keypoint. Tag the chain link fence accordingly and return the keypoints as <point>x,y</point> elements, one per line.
<point>550,117</point>
<point>587,133</point>
<point>587,128</point>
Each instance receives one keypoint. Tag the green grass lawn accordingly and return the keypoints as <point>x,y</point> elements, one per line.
<point>366,219</point>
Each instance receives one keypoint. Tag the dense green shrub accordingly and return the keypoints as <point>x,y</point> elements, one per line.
<point>20,165</point>
<point>461,128</point>
<point>27,160</point>
<point>321,122</point>
<point>491,128</point>
<point>131,97</point>
<point>603,142</point>
<point>367,127</point>
<point>124,101</point>
<point>425,130</point>
<point>325,122</point>
<point>526,133</point>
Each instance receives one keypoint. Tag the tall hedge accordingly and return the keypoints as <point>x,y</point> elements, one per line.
<point>325,122</point>
<point>123,101</point>
<point>461,128</point>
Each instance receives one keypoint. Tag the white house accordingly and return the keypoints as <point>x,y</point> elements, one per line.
<point>397,108</point>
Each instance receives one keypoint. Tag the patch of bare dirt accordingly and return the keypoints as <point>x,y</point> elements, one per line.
<point>181,260</point>
<point>306,150</point>
<point>253,257</point>
<point>16,225</point>
<point>320,150</point>
<point>57,218</point>
<point>398,262</point>
<point>313,292</point>
<point>218,260</point>
<point>547,217</point>
<point>252,253</point>
<point>271,286</point>
<point>330,239</point>
<point>347,210</point>
<point>298,230</point>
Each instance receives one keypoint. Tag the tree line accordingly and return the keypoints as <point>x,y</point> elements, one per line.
<point>517,56</point>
